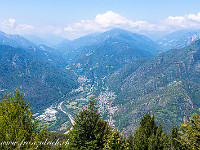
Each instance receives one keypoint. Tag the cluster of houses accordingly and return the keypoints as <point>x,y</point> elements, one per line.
<point>48,115</point>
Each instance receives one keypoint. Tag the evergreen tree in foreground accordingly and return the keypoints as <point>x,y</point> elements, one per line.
<point>148,136</point>
<point>16,123</point>
<point>89,131</point>
<point>190,133</point>
<point>116,141</point>
<point>173,142</point>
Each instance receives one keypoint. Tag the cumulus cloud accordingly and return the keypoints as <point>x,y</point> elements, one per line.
<point>11,22</point>
<point>103,22</point>
<point>190,21</point>
<point>24,27</point>
<point>6,24</point>
<point>106,21</point>
<point>111,19</point>
<point>10,26</point>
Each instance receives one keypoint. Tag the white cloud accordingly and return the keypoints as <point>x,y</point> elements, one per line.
<point>106,21</point>
<point>11,22</point>
<point>190,21</point>
<point>7,24</point>
<point>103,22</point>
<point>110,20</point>
<point>193,17</point>
<point>49,30</point>
<point>24,27</point>
<point>10,26</point>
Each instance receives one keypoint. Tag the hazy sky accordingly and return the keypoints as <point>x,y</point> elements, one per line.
<point>74,18</point>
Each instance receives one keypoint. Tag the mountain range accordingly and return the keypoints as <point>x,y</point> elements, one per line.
<point>108,51</point>
<point>179,39</point>
<point>143,74</point>
<point>15,40</point>
<point>140,41</point>
<point>49,40</point>
<point>167,84</point>
<point>44,52</point>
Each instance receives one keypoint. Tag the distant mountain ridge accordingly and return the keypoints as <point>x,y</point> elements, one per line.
<point>42,83</point>
<point>49,40</point>
<point>179,39</point>
<point>15,40</point>
<point>67,46</point>
<point>109,51</point>
<point>97,38</point>
<point>44,52</point>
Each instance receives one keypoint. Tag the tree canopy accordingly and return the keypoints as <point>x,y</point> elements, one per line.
<point>89,130</point>
<point>17,124</point>
<point>190,133</point>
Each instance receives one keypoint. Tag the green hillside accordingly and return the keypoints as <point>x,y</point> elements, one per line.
<point>109,51</point>
<point>41,82</point>
<point>167,84</point>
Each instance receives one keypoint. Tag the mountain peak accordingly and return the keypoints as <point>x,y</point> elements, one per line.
<point>179,39</point>
<point>118,31</point>
<point>15,40</point>
<point>2,33</point>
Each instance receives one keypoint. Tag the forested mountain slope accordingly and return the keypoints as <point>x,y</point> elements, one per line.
<point>179,39</point>
<point>42,83</point>
<point>109,51</point>
<point>167,84</point>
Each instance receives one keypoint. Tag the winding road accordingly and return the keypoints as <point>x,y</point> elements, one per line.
<point>70,116</point>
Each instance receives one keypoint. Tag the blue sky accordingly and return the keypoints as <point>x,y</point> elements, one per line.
<point>74,18</point>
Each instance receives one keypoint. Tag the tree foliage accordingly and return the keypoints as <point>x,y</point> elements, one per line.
<point>16,122</point>
<point>190,133</point>
<point>116,141</point>
<point>89,130</point>
<point>148,136</point>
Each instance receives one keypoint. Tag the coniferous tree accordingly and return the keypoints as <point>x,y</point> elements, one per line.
<point>116,141</point>
<point>174,144</point>
<point>89,130</point>
<point>146,129</point>
<point>16,123</point>
<point>17,127</point>
<point>129,142</point>
<point>148,136</point>
<point>190,133</point>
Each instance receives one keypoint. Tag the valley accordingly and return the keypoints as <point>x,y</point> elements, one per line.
<point>127,73</point>
<point>78,98</point>
<point>100,75</point>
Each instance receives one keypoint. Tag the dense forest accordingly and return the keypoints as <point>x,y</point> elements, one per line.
<point>20,131</point>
